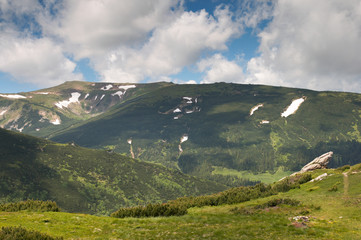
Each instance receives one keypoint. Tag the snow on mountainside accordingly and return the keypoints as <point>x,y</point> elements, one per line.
<point>39,111</point>
<point>291,109</point>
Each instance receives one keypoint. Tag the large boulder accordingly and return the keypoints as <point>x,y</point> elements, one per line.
<point>320,162</point>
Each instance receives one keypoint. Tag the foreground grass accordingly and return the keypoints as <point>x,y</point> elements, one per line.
<point>337,218</point>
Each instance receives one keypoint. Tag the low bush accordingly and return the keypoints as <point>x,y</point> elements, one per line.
<point>343,168</point>
<point>10,233</point>
<point>291,182</point>
<point>278,201</point>
<point>151,210</point>
<point>30,205</point>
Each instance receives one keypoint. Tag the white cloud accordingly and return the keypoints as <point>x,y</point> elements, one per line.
<point>172,46</point>
<point>311,44</point>
<point>37,61</point>
<point>218,69</point>
<point>253,12</point>
<point>92,27</point>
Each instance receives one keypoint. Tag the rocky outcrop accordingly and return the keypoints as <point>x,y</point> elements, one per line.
<point>320,162</point>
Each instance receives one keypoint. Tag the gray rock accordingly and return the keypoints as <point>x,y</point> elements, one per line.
<point>320,162</point>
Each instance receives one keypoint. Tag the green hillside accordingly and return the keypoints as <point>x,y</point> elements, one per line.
<point>86,180</point>
<point>219,133</point>
<point>324,209</point>
<point>46,111</point>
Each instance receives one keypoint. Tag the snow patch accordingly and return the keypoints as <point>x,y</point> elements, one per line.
<point>264,122</point>
<point>184,138</point>
<point>74,98</point>
<point>102,97</point>
<point>255,108</point>
<point>187,98</point>
<point>189,102</point>
<point>177,110</point>
<point>188,112</point>
<point>107,87</point>
<point>291,109</point>
<point>119,94</point>
<point>16,96</point>
<point>126,87</point>
<point>176,118</point>
<point>86,96</point>
<point>129,141</point>
<point>42,93</point>
<point>38,129</point>
<point>3,112</point>
<point>56,122</point>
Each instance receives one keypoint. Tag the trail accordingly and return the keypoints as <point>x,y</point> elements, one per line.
<point>345,184</point>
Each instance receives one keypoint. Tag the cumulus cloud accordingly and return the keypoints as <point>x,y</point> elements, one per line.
<point>36,61</point>
<point>218,69</point>
<point>311,44</point>
<point>252,12</point>
<point>91,27</point>
<point>173,46</point>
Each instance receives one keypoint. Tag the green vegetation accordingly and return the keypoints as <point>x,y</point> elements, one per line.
<point>86,180</point>
<point>151,210</point>
<point>8,233</point>
<point>30,205</point>
<point>234,195</point>
<point>297,213</point>
<point>223,138</point>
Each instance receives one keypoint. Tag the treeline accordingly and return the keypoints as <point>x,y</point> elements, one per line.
<point>9,233</point>
<point>231,196</point>
<point>30,205</point>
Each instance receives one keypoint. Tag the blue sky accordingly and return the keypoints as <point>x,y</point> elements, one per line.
<point>298,43</point>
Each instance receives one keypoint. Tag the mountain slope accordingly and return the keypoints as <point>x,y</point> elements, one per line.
<point>316,210</point>
<point>46,111</point>
<point>86,180</point>
<point>228,129</point>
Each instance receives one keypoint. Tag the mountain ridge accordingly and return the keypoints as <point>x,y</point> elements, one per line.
<point>248,131</point>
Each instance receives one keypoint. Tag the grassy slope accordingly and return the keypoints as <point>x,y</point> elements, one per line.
<point>86,180</point>
<point>224,135</point>
<point>338,218</point>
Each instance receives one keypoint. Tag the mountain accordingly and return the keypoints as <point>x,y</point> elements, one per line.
<point>46,111</point>
<point>86,180</point>
<point>327,208</point>
<point>257,132</point>
<point>210,130</point>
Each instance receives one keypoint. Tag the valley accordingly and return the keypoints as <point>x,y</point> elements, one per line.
<point>86,180</point>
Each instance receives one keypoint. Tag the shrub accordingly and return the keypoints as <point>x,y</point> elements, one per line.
<point>291,182</point>
<point>30,205</point>
<point>278,201</point>
<point>334,188</point>
<point>9,233</point>
<point>151,210</point>
<point>343,168</point>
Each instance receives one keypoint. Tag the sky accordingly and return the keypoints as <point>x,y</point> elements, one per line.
<point>293,43</point>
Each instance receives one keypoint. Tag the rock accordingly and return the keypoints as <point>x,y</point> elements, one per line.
<point>320,162</point>
<point>319,178</point>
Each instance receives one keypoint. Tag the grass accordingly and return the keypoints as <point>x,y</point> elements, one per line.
<point>266,177</point>
<point>331,216</point>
